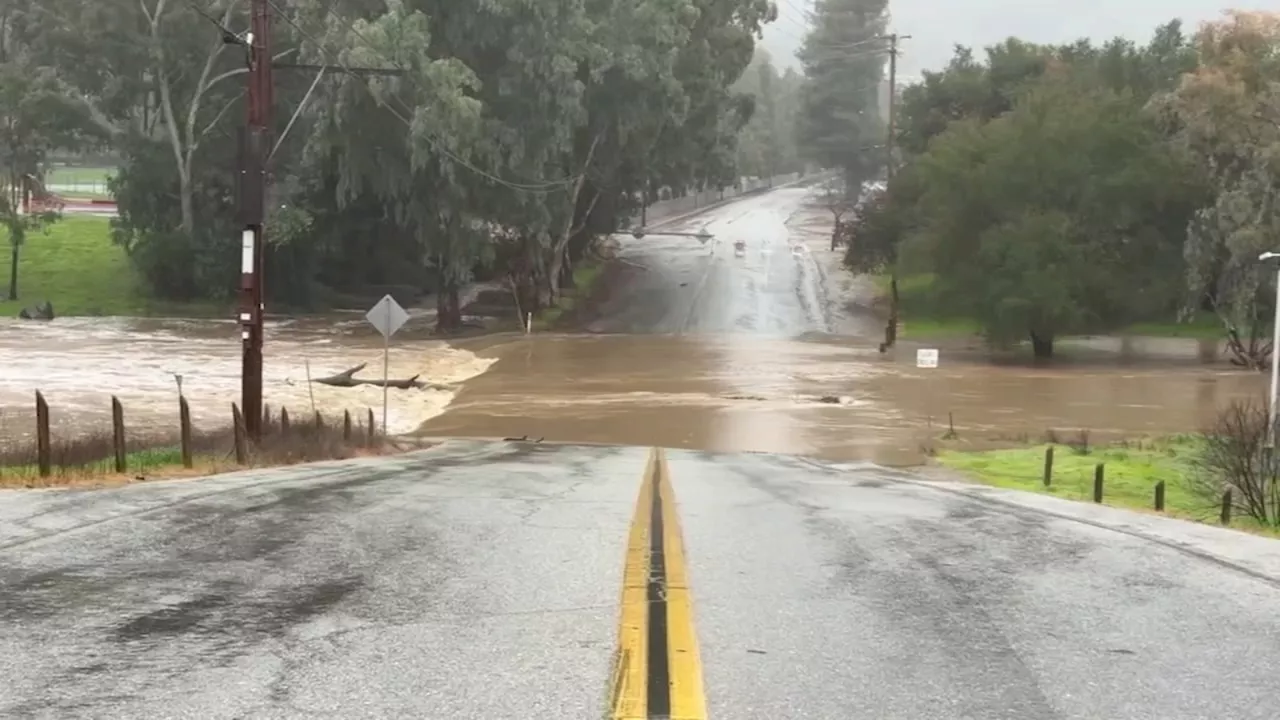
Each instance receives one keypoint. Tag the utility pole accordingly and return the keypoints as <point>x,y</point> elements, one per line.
<point>891,328</point>
<point>254,167</point>
<point>893,102</point>
<point>254,147</point>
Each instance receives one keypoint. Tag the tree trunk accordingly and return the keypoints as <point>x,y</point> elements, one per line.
<point>891,328</point>
<point>566,273</point>
<point>448,308</point>
<point>186,202</point>
<point>13,271</point>
<point>1041,345</point>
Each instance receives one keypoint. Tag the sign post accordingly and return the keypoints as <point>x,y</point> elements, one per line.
<point>927,359</point>
<point>386,316</point>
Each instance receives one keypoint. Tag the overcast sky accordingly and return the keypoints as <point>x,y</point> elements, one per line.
<point>938,25</point>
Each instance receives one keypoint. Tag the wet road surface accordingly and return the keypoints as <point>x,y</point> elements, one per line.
<point>486,580</point>
<point>700,348</point>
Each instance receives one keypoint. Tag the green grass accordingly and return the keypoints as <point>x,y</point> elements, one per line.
<point>80,181</point>
<point>75,266</point>
<point>922,319</point>
<point>66,174</point>
<point>1131,471</point>
<point>138,461</point>
<point>585,277</point>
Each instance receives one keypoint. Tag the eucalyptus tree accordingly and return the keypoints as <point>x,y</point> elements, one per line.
<point>403,138</point>
<point>1226,116</point>
<point>34,120</point>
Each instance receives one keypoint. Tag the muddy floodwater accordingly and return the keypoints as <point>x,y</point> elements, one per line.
<point>698,345</point>
<point>80,363</point>
<point>825,399</point>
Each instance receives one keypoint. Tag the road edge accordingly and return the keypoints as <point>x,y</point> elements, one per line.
<point>1251,555</point>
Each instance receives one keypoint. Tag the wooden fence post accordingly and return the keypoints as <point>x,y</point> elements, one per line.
<point>284,421</point>
<point>1226,507</point>
<point>237,423</point>
<point>1098,472</point>
<point>266,417</point>
<point>184,424</point>
<point>373,429</point>
<point>319,421</point>
<point>346,426</point>
<point>44,448</point>
<point>117,433</point>
<point>1160,496</point>
<point>1048,465</point>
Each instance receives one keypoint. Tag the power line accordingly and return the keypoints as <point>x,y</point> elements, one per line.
<point>436,144</point>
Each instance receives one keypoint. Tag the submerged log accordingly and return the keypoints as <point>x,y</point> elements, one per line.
<point>344,378</point>
<point>347,379</point>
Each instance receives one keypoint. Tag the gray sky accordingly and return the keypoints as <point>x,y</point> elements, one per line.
<point>937,25</point>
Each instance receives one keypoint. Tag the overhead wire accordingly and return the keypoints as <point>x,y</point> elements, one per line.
<point>436,144</point>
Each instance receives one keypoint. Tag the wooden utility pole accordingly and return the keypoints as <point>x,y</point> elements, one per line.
<point>891,328</point>
<point>893,102</point>
<point>254,147</point>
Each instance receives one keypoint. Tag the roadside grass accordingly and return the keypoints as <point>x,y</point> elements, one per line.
<point>1131,471</point>
<point>89,460</point>
<point>922,316</point>
<point>77,267</point>
<point>585,276</point>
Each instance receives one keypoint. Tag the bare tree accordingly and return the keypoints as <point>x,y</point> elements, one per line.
<point>835,197</point>
<point>1234,456</point>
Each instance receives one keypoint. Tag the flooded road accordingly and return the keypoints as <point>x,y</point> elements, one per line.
<point>701,346</point>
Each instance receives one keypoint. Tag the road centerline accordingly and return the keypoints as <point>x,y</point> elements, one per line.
<point>657,669</point>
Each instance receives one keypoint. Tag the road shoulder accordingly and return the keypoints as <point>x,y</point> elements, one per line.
<point>1251,554</point>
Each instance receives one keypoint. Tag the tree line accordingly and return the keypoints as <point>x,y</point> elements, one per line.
<point>1081,188</point>
<point>492,139</point>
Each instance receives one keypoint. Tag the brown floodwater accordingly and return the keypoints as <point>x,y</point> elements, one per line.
<point>699,345</point>
<point>79,364</point>
<point>835,399</point>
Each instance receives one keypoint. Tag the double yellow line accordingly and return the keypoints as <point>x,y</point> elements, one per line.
<point>657,670</point>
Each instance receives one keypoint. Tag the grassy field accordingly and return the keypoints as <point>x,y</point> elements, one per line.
<point>90,182</point>
<point>77,268</point>
<point>922,318</point>
<point>1131,470</point>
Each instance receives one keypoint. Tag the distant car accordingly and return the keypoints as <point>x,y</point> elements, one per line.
<point>797,251</point>
<point>740,248</point>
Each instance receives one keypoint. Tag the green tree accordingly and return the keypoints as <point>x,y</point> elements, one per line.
<point>34,120</point>
<point>1226,117</point>
<point>843,57</point>
<point>1039,222</point>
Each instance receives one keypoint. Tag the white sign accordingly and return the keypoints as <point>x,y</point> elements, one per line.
<point>387,316</point>
<point>927,358</point>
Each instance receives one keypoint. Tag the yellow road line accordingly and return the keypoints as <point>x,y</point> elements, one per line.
<point>688,698</point>
<point>631,666</point>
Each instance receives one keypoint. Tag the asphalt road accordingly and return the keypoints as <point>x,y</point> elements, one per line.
<point>483,580</point>
<point>677,284</point>
<point>507,580</point>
